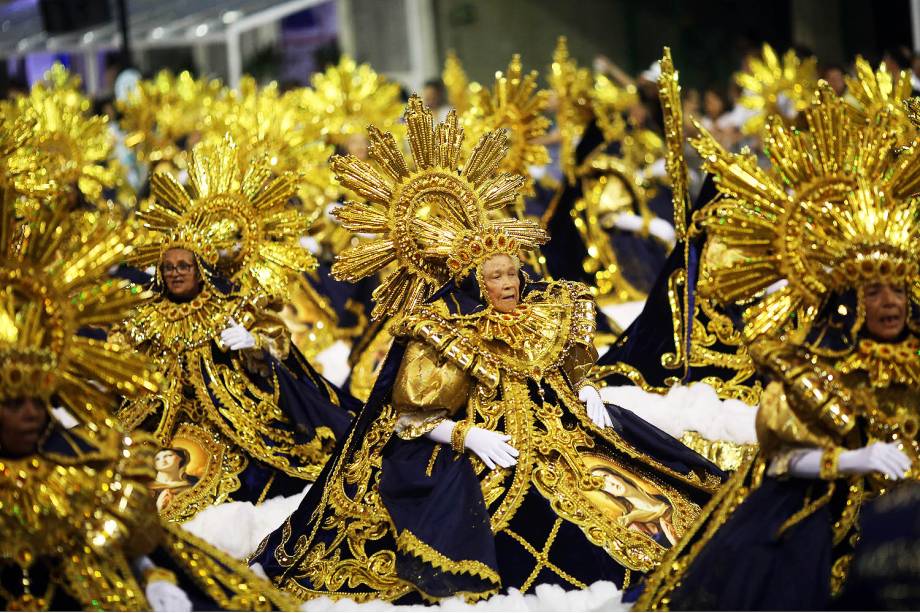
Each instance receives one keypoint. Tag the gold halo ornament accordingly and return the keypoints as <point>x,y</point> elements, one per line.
<point>76,147</point>
<point>268,125</point>
<point>514,104</point>
<point>344,99</point>
<point>53,282</point>
<point>234,215</point>
<point>432,220</point>
<point>835,208</point>
<point>160,113</point>
<point>775,86</point>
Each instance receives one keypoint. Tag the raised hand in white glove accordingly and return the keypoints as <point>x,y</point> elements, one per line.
<point>491,447</point>
<point>236,337</point>
<point>597,411</point>
<point>883,458</point>
<point>165,596</point>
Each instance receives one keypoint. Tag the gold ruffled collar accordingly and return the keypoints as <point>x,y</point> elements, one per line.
<point>177,327</point>
<point>885,363</point>
<point>533,338</point>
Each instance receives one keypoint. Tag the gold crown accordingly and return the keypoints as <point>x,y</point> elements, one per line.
<point>162,111</point>
<point>348,97</point>
<point>514,104</point>
<point>419,216</point>
<point>54,281</point>
<point>75,146</point>
<point>234,213</point>
<point>834,209</point>
<point>470,250</point>
<point>771,80</point>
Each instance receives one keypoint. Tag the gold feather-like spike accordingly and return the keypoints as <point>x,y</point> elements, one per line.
<point>385,152</point>
<point>362,217</point>
<point>364,259</point>
<point>361,178</point>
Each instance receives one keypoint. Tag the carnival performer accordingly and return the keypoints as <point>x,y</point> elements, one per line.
<point>835,218</point>
<point>255,417</point>
<point>481,461</point>
<point>78,525</point>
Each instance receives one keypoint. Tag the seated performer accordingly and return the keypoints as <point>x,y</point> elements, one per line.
<point>78,525</point>
<point>254,417</point>
<point>837,422</point>
<point>482,461</point>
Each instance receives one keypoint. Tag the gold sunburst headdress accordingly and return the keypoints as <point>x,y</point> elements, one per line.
<point>54,281</point>
<point>433,220</point>
<point>268,125</point>
<point>772,85</point>
<point>835,208</point>
<point>346,98</point>
<point>76,147</point>
<point>234,210</point>
<point>513,104</point>
<point>161,112</point>
<point>573,89</point>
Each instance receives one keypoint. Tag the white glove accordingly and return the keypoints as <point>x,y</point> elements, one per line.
<point>491,447</point>
<point>884,458</point>
<point>597,411</point>
<point>165,596</point>
<point>236,337</point>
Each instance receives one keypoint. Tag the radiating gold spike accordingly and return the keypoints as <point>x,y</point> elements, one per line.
<point>384,150</point>
<point>486,156</point>
<point>361,178</point>
<point>500,191</point>
<point>449,138</point>
<point>362,217</point>
<point>421,133</point>
<point>364,259</point>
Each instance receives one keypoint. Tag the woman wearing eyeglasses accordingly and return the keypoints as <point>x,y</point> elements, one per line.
<point>257,419</point>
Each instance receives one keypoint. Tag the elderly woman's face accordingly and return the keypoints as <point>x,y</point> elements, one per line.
<point>886,310</point>
<point>180,273</point>
<point>503,286</point>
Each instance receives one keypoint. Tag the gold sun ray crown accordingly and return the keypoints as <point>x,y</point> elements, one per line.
<point>163,111</point>
<point>457,84</point>
<point>268,125</point>
<point>235,214</point>
<point>871,91</point>
<point>76,146</point>
<point>346,98</point>
<point>431,218</point>
<point>572,87</point>
<point>835,208</point>
<point>54,281</point>
<point>771,84</point>
<point>516,105</point>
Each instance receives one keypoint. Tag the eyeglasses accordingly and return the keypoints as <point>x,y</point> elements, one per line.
<point>181,268</point>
